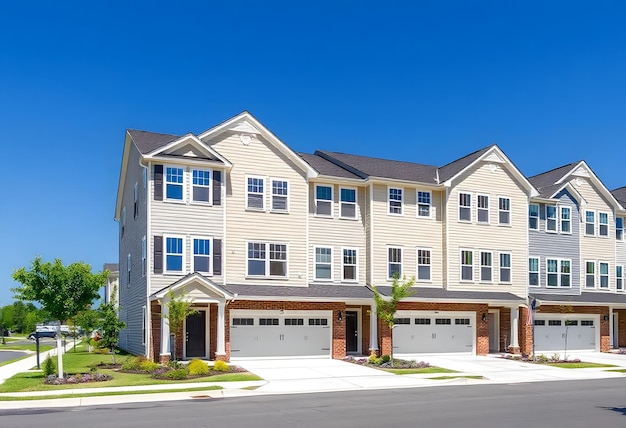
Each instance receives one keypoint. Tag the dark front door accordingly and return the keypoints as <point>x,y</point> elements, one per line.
<point>352,332</point>
<point>196,335</point>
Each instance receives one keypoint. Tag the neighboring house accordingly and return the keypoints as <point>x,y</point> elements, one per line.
<point>112,282</point>
<point>278,250</point>
<point>619,319</point>
<point>572,268</point>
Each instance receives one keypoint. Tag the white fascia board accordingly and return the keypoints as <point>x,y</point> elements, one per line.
<point>189,280</point>
<point>188,138</point>
<point>128,141</point>
<point>392,182</point>
<point>596,181</point>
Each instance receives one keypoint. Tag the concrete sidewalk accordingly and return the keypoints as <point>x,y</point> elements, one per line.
<point>24,365</point>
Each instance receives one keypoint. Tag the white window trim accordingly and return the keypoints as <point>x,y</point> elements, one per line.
<point>355,203</point>
<point>144,327</point>
<point>584,276</point>
<point>193,255</point>
<point>556,219</point>
<point>165,253</point>
<point>510,267</point>
<point>259,177</point>
<point>586,223</point>
<point>144,253</point>
<point>417,264</point>
<point>271,191</point>
<point>210,186</point>
<point>418,203</point>
<point>471,198</point>
<point>478,195</point>
<point>608,275</point>
<point>401,189</point>
<point>538,271</point>
<point>461,265</point>
<point>267,260</point>
<point>510,223</point>
<point>356,276</point>
<point>389,278</point>
<point>129,266</point>
<point>332,255</point>
<point>332,200</point>
<point>619,278</point>
<point>622,228</point>
<point>480,269</point>
<point>183,184</point>
<point>560,215</point>
<point>537,217</point>
<point>608,222</point>
<point>559,284</point>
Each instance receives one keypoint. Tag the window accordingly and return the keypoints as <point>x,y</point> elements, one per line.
<point>324,201</point>
<point>533,217</point>
<point>566,220</point>
<point>554,322</point>
<point>318,321</point>
<point>486,265</point>
<point>559,272</point>
<point>128,266</point>
<point>349,268</point>
<point>348,203</point>
<point>619,228</point>
<point>202,255</point>
<point>173,254</point>
<point>294,321</point>
<point>590,226</point>
<point>619,278</point>
<point>135,198</point>
<point>255,193</point>
<point>461,321</point>
<point>443,321</point>
<point>590,274</point>
<point>395,201</point>
<point>467,265</point>
<point>422,321</point>
<point>268,321</point>
<point>603,224</point>
<point>604,275</point>
<point>588,323</point>
<point>465,207</point>
<point>504,210</point>
<point>533,271</point>
<point>424,201</point>
<point>394,256</point>
<point>243,321</point>
<point>144,251</point>
<point>280,194</point>
<point>571,322</point>
<point>553,272</point>
<point>272,263</point>
<point>397,321</point>
<point>201,185</point>
<point>482,209</point>
<point>323,263</point>
<point>174,183</point>
<point>423,264</point>
<point>505,267</point>
<point>540,322</point>
<point>566,273</point>
<point>551,218</point>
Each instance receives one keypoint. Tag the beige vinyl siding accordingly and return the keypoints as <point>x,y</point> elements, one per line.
<point>338,233</point>
<point>368,235</point>
<point>261,159</point>
<point>484,179</point>
<point>408,232</point>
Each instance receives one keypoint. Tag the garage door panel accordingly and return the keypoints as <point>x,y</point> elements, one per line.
<point>558,335</point>
<point>422,333</point>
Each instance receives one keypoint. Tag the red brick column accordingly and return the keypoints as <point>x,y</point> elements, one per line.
<point>525,333</point>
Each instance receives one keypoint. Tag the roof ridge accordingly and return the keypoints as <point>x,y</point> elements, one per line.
<point>554,169</point>
<point>468,155</point>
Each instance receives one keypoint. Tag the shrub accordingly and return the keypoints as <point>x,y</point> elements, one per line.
<point>149,366</point>
<point>198,368</point>
<point>177,374</point>
<point>221,366</point>
<point>134,364</point>
<point>49,366</point>
<point>373,359</point>
<point>385,358</point>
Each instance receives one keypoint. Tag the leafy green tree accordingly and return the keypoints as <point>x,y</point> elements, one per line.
<point>63,291</point>
<point>386,307</point>
<point>88,320</point>
<point>178,308</point>
<point>30,321</point>
<point>110,325</point>
<point>7,317</point>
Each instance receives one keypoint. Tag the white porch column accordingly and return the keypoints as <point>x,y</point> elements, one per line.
<point>373,328</point>
<point>514,327</point>
<point>165,330</point>
<point>611,326</point>
<point>221,329</point>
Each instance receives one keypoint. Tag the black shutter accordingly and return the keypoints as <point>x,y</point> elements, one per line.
<point>158,254</point>
<point>217,187</point>
<point>158,182</point>
<point>217,257</point>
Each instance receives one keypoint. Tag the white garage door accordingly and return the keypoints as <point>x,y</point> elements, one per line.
<point>558,333</point>
<point>417,332</point>
<point>255,334</point>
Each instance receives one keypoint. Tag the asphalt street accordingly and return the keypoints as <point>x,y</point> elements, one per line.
<point>10,355</point>
<point>548,404</point>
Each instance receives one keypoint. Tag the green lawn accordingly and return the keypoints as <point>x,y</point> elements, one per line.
<point>581,365</point>
<point>423,370</point>
<point>617,370</point>
<point>101,394</point>
<point>28,347</point>
<point>455,377</point>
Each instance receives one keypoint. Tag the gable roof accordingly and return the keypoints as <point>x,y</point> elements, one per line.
<point>147,142</point>
<point>325,167</point>
<point>551,177</point>
<point>454,168</point>
<point>620,194</point>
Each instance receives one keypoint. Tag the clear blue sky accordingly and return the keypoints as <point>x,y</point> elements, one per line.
<point>425,81</point>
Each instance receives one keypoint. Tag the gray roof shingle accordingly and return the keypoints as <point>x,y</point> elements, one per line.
<point>582,298</point>
<point>312,291</point>
<point>549,178</point>
<point>111,267</point>
<point>149,141</point>
<point>325,167</point>
<point>620,194</point>
<point>443,294</point>
<point>453,168</point>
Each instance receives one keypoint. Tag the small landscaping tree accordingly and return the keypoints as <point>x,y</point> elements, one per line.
<point>88,320</point>
<point>110,325</point>
<point>386,307</point>
<point>178,309</point>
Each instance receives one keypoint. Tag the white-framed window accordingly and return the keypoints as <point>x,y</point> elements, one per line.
<point>349,268</point>
<point>565,277</point>
<point>347,199</point>
<point>202,255</point>
<point>201,185</point>
<point>174,254</point>
<point>174,180</point>
<point>604,274</point>
<point>619,228</point>
<point>619,278</point>
<point>280,195</point>
<point>486,266</point>
<point>255,193</point>
<point>566,219</point>
<point>551,218</point>
<point>323,263</point>
<point>467,265</point>
<point>135,200</point>
<point>504,210</point>
<point>590,223</point>
<point>424,203</point>
<point>267,259</point>
<point>395,200</point>
<point>465,206</point>
<point>533,271</point>
<point>559,273</point>
<point>144,251</point>
<point>424,263</point>
<point>505,267</point>
<point>552,272</point>
<point>394,262</point>
<point>603,224</point>
<point>590,274</point>
<point>323,200</point>
<point>482,208</point>
<point>129,266</point>
<point>533,217</point>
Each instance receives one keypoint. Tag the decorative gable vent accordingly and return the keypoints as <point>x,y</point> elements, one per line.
<point>244,127</point>
<point>494,158</point>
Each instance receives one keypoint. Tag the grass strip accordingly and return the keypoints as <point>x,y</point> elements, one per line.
<point>580,365</point>
<point>103,394</point>
<point>423,370</point>
<point>455,377</point>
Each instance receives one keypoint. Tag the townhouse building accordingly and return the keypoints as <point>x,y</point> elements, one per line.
<point>279,250</point>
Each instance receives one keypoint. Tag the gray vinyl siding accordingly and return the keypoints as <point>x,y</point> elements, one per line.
<point>544,245</point>
<point>133,295</point>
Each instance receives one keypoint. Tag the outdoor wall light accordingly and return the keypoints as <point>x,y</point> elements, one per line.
<point>606,317</point>
<point>484,317</point>
<point>339,316</point>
